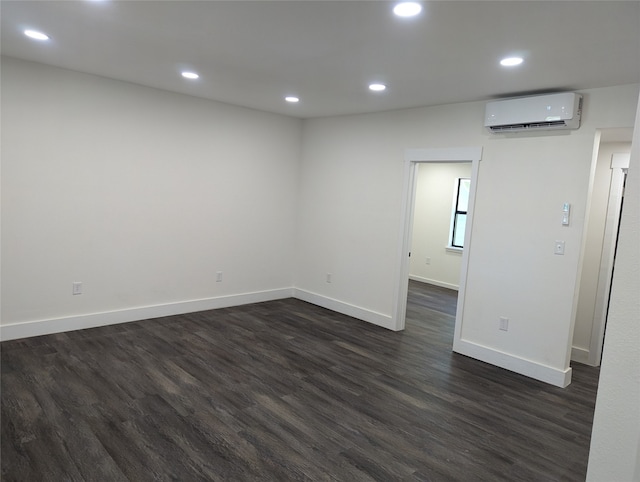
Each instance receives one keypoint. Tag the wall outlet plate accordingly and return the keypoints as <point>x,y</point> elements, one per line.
<point>76,288</point>
<point>504,324</point>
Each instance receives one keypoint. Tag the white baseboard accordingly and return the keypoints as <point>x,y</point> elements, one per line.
<point>442,284</point>
<point>364,314</point>
<point>92,320</point>
<point>553,376</point>
<point>580,355</point>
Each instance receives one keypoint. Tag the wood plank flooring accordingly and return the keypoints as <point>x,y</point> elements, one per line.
<point>281,391</point>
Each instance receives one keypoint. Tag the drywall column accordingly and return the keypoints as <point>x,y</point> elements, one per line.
<point>615,440</point>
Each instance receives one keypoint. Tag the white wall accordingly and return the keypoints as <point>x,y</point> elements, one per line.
<point>615,439</point>
<point>593,248</point>
<point>142,195</point>
<point>350,200</point>
<point>434,202</point>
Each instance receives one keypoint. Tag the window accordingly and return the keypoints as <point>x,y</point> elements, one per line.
<point>459,218</point>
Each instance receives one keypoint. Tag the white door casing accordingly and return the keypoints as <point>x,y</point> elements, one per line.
<point>411,159</point>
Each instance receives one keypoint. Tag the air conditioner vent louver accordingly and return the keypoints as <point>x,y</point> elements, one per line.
<point>532,125</point>
<point>543,112</point>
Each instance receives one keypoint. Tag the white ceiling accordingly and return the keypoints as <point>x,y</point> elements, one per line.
<point>253,53</point>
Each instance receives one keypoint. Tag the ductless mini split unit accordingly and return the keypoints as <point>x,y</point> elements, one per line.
<point>540,112</point>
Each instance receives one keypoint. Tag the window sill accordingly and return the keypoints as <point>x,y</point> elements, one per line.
<point>452,249</point>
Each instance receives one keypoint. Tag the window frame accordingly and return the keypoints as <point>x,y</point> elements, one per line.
<point>456,212</point>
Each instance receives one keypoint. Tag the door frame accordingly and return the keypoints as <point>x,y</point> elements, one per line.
<point>619,164</point>
<point>412,157</point>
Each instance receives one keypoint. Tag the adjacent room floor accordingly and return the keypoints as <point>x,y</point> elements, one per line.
<point>283,390</point>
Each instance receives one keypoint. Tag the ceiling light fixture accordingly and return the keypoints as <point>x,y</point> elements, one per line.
<point>34,34</point>
<point>292,99</point>
<point>190,75</point>
<point>511,61</point>
<point>377,87</point>
<point>407,9</point>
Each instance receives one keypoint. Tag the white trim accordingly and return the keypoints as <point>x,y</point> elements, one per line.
<point>79,322</point>
<point>454,249</point>
<point>583,244</point>
<point>338,306</point>
<point>442,284</point>
<point>553,376</point>
<point>605,272</point>
<point>411,158</point>
<point>580,355</point>
<point>620,160</point>
<point>404,243</point>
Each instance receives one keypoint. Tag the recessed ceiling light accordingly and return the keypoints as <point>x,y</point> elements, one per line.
<point>377,87</point>
<point>511,61</point>
<point>34,34</point>
<point>292,99</point>
<point>190,75</point>
<point>407,9</point>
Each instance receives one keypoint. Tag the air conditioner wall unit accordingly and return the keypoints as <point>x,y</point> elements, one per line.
<point>540,112</point>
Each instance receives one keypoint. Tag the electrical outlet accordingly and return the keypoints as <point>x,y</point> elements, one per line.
<point>328,277</point>
<point>504,323</point>
<point>558,248</point>
<point>428,261</point>
<point>219,277</point>
<point>76,288</point>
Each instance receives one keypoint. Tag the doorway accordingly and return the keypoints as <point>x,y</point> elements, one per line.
<point>439,223</point>
<point>611,158</point>
<point>414,157</point>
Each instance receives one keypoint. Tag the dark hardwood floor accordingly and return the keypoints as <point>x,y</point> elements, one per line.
<point>283,390</point>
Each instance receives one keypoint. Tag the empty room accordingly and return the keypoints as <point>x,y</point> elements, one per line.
<point>320,240</point>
